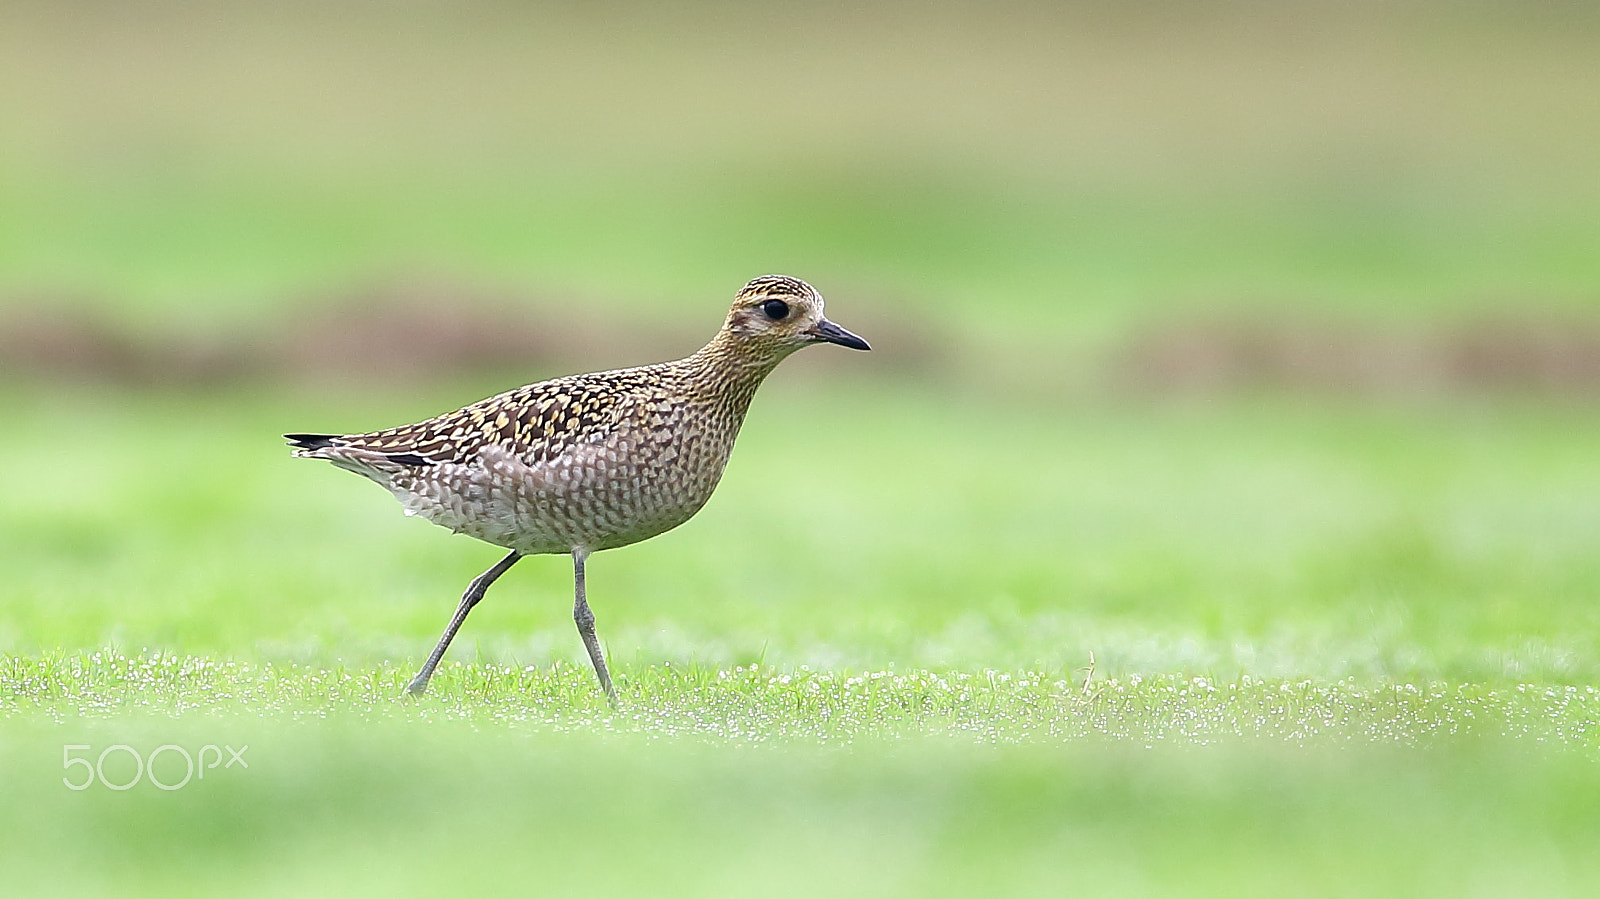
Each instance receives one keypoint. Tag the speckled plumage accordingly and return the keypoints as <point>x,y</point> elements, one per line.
<point>591,461</point>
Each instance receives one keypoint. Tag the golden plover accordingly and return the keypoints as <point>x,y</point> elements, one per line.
<point>587,462</point>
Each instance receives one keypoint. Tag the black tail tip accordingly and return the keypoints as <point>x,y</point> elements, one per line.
<point>310,441</point>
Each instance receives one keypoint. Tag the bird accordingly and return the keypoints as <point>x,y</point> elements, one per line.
<point>587,462</point>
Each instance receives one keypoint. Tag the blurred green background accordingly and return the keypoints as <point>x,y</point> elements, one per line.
<point>1223,352</point>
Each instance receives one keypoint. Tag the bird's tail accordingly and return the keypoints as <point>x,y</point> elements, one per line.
<point>375,464</point>
<point>310,441</point>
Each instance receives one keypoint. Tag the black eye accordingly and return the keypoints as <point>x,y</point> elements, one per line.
<point>777,310</point>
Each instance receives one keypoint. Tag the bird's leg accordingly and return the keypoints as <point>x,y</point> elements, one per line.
<point>475,591</point>
<point>585,620</point>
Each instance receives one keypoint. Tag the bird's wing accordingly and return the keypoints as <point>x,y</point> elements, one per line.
<point>535,424</point>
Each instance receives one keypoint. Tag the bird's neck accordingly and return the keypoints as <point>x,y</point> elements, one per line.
<point>732,369</point>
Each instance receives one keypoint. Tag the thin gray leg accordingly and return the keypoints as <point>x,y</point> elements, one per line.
<point>585,620</point>
<point>475,591</point>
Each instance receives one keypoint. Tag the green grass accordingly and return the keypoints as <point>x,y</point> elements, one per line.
<point>736,780</point>
<point>1262,538</point>
<point>987,627</point>
<point>1336,650</point>
<point>378,809</point>
<point>758,704</point>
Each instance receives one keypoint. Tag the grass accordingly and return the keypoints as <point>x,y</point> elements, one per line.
<point>384,809</point>
<point>756,704</point>
<point>1258,538</point>
<point>732,780</point>
<point>1336,649</point>
<point>991,627</point>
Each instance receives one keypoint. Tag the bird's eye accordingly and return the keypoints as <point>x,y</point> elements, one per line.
<point>777,310</point>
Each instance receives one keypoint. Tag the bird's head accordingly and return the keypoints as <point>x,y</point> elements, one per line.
<point>774,315</point>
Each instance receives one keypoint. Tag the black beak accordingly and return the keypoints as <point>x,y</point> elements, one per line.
<point>832,333</point>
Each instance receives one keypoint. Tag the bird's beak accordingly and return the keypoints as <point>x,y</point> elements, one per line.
<point>832,333</point>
